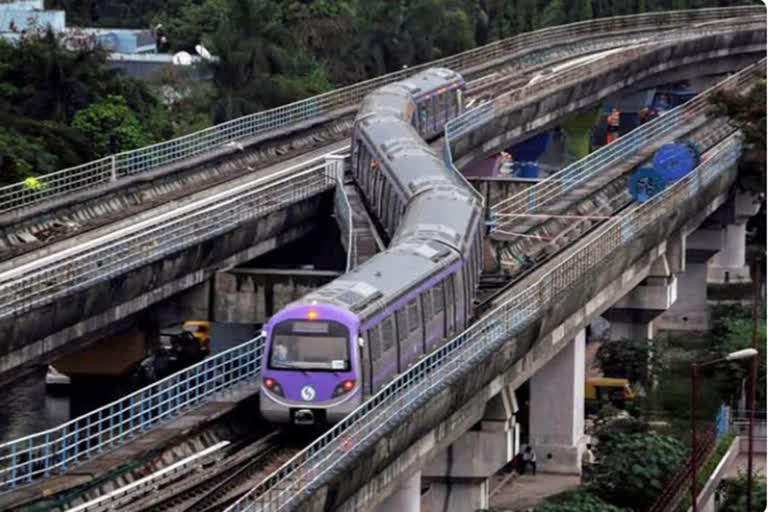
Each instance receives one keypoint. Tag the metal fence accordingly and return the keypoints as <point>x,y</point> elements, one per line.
<point>303,474</point>
<point>44,280</point>
<point>129,163</point>
<point>75,442</point>
<point>534,198</point>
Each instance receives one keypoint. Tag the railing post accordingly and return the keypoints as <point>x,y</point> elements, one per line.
<point>113,168</point>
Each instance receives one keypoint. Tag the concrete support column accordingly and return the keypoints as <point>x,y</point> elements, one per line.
<point>633,316</point>
<point>407,498</point>
<point>729,265</point>
<point>557,410</point>
<point>458,495</point>
<point>458,476</point>
<point>690,312</point>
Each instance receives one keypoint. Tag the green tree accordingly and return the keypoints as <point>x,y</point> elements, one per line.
<point>576,501</point>
<point>732,335</point>
<point>110,117</point>
<point>250,51</point>
<point>734,494</point>
<point>637,360</point>
<point>631,469</point>
<point>747,111</point>
<point>554,13</point>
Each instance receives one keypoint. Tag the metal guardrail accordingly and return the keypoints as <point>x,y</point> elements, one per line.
<point>344,213</point>
<point>81,439</point>
<point>44,280</point>
<point>305,472</point>
<point>128,163</point>
<point>533,198</point>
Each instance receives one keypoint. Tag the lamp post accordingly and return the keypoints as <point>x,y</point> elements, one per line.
<point>753,378</point>
<point>733,356</point>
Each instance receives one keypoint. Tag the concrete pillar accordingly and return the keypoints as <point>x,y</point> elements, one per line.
<point>729,265</point>
<point>557,410</point>
<point>632,317</point>
<point>458,476</point>
<point>458,495</point>
<point>690,312</point>
<point>407,498</point>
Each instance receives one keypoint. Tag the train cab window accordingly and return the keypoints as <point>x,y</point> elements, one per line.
<point>387,334</point>
<point>402,324</point>
<point>300,345</point>
<point>413,315</point>
<point>437,297</point>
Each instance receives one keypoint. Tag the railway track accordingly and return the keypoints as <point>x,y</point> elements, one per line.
<point>210,487</point>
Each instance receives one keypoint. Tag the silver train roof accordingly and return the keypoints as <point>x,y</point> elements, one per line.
<point>385,277</point>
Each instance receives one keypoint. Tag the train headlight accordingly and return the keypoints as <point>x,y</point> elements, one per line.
<point>272,385</point>
<point>344,387</point>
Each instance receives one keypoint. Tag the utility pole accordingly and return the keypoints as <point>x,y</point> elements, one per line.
<point>753,377</point>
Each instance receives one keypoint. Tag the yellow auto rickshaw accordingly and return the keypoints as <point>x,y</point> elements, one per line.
<point>602,390</point>
<point>200,329</point>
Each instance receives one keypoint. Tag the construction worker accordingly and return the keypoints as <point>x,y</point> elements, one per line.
<point>614,118</point>
<point>33,184</point>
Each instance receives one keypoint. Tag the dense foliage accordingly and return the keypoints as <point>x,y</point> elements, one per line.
<point>45,88</point>
<point>748,112</point>
<point>271,52</point>
<point>632,468</point>
<point>732,335</point>
<point>734,494</point>
<point>636,360</point>
<point>576,501</point>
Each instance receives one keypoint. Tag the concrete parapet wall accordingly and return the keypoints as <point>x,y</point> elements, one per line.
<point>35,333</point>
<point>254,295</point>
<point>515,122</point>
<point>411,441</point>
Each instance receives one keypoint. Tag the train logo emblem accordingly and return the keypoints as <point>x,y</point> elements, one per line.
<point>308,393</point>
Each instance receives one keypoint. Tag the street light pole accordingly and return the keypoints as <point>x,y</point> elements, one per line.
<point>733,356</point>
<point>753,380</point>
<point>694,392</point>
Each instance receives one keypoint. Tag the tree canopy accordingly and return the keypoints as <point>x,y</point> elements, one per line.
<point>631,469</point>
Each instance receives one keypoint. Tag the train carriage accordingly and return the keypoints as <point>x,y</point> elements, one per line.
<point>348,339</point>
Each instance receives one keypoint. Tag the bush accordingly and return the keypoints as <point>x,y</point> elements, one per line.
<point>576,501</point>
<point>632,469</point>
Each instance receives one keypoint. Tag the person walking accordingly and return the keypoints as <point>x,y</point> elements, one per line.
<point>529,458</point>
<point>587,461</point>
<point>613,121</point>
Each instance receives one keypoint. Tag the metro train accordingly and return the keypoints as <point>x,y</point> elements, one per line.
<point>338,345</point>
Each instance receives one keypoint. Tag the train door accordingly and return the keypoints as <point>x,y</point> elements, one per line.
<point>450,308</point>
<point>460,298</point>
<point>426,320</point>
<point>402,339</point>
<point>374,355</point>
<point>389,347</point>
<point>438,310</point>
<point>416,336</point>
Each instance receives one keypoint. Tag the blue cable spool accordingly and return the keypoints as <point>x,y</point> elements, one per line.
<point>674,161</point>
<point>645,183</point>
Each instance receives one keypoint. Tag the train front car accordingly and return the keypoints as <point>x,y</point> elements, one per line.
<point>311,365</point>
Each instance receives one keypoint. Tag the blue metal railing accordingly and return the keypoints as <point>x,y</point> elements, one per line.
<point>79,440</point>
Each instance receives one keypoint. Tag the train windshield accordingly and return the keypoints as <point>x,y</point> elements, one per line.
<point>313,345</point>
